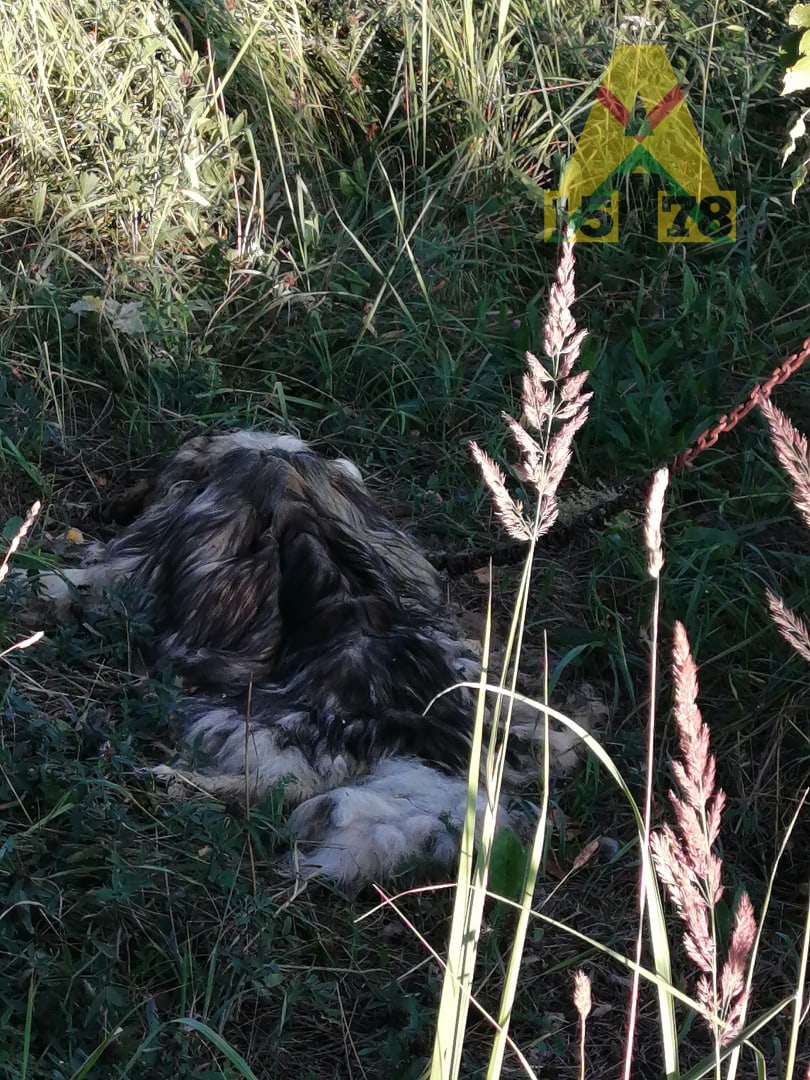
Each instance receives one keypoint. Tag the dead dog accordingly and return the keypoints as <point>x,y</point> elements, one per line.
<point>314,635</point>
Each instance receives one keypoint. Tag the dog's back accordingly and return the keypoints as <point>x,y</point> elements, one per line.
<point>312,636</point>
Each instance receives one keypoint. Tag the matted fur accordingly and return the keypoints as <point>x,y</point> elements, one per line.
<point>311,635</point>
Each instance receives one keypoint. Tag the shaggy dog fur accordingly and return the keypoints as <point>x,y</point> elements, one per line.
<point>311,636</point>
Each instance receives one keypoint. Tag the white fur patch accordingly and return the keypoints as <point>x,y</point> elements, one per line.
<point>268,764</point>
<point>265,440</point>
<point>402,809</point>
<point>349,468</point>
<point>58,587</point>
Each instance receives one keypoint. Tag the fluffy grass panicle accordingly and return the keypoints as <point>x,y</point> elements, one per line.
<point>794,456</point>
<point>554,406</point>
<point>689,867</point>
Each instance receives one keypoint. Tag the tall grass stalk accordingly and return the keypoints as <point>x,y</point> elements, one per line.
<point>473,873</point>
<point>466,925</point>
<point>793,452</point>
<point>625,962</point>
<point>555,407</point>
<point>801,1002</point>
<point>655,562</point>
<point>734,1036</point>
<point>390,902</point>
<point>533,868</point>
<point>734,1059</point>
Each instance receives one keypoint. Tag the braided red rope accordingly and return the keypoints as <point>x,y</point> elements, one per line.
<point>761,392</point>
<point>510,554</point>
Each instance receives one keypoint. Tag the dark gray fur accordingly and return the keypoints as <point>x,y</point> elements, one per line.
<point>310,632</point>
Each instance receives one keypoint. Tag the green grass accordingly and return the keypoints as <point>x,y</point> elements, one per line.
<point>348,242</point>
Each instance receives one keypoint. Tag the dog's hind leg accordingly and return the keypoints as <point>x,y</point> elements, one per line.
<point>402,811</point>
<point>582,705</point>
<point>236,759</point>
<point>58,587</point>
